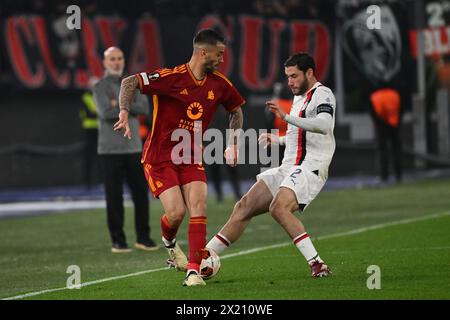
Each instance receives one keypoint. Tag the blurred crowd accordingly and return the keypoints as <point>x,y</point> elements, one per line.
<point>136,8</point>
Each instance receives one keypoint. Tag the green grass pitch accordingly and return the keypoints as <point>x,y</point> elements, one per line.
<point>413,256</point>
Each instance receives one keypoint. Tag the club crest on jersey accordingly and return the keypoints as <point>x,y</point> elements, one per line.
<point>194,111</point>
<point>153,76</point>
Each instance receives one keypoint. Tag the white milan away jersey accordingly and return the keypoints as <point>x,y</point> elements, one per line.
<point>313,151</point>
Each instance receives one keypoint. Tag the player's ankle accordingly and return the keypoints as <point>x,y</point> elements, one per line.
<point>315,259</point>
<point>218,243</point>
<point>169,243</point>
<point>193,267</point>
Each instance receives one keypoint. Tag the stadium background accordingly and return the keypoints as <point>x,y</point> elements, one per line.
<point>356,222</point>
<point>45,68</point>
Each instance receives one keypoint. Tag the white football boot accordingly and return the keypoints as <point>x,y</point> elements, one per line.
<point>193,279</point>
<point>177,258</point>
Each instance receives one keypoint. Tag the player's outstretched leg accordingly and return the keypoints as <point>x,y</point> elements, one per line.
<point>254,202</point>
<point>306,247</point>
<point>197,239</point>
<point>282,208</point>
<point>177,258</point>
<point>195,198</point>
<point>173,204</point>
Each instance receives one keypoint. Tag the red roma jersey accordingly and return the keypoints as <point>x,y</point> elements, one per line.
<point>182,102</point>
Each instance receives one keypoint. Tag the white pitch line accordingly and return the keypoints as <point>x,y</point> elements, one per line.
<point>342,234</point>
<point>240,253</point>
<point>383,225</point>
<point>84,284</point>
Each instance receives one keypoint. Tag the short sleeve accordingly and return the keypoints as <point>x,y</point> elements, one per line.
<point>152,83</point>
<point>232,98</point>
<point>325,101</point>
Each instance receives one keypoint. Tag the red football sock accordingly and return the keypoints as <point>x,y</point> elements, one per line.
<point>168,232</point>
<point>197,241</point>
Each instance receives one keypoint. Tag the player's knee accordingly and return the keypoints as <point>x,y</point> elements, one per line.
<point>276,214</point>
<point>198,207</point>
<point>241,204</point>
<point>277,209</point>
<point>242,208</point>
<point>176,215</point>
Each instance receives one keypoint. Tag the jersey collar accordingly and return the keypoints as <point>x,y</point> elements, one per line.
<point>197,82</point>
<point>306,96</point>
<point>312,88</point>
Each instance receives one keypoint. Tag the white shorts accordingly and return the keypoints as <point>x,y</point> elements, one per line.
<point>305,184</point>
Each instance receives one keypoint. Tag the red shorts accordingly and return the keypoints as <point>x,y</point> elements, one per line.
<point>163,177</point>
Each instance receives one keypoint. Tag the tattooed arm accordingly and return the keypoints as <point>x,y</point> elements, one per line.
<point>231,152</point>
<point>236,122</point>
<point>126,95</point>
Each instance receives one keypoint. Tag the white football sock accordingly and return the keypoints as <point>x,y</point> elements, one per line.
<point>218,243</point>
<point>306,247</point>
<point>169,243</point>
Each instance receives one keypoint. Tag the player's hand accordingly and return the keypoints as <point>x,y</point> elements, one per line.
<point>231,155</point>
<point>123,124</point>
<point>276,109</point>
<point>268,139</point>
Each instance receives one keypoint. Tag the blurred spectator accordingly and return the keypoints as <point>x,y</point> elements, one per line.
<point>88,116</point>
<point>164,8</point>
<point>283,97</point>
<point>386,112</point>
<point>443,72</point>
<point>144,127</point>
<point>120,157</point>
<point>215,171</point>
<point>287,8</point>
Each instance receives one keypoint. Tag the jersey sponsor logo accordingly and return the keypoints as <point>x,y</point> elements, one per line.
<point>194,111</point>
<point>194,126</point>
<point>184,92</point>
<point>153,76</point>
<point>210,95</point>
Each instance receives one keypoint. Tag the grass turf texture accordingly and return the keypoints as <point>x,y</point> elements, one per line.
<point>413,257</point>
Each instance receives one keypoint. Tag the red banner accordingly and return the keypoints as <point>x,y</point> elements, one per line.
<point>44,56</point>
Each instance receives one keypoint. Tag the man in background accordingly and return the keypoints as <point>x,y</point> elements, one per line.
<point>88,117</point>
<point>121,158</point>
<point>215,171</point>
<point>282,96</point>
<point>386,114</point>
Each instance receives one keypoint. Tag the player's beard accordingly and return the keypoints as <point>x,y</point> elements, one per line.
<point>209,67</point>
<point>303,87</point>
<point>112,72</point>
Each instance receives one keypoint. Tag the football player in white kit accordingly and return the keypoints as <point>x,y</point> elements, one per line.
<point>310,147</point>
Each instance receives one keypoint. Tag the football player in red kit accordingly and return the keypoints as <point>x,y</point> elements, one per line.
<point>186,98</point>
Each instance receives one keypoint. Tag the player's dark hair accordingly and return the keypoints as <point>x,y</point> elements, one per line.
<point>302,61</point>
<point>208,36</point>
